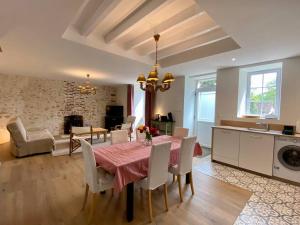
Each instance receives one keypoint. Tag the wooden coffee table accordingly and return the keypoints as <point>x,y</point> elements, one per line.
<point>99,131</point>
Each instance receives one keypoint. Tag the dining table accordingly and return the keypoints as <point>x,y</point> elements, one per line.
<point>128,162</point>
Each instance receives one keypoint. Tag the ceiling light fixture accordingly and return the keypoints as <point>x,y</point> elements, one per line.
<point>233,59</point>
<point>86,88</point>
<point>152,82</point>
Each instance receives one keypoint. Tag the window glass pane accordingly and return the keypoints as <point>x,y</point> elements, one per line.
<point>206,85</point>
<point>268,108</point>
<point>206,106</point>
<point>269,101</point>
<point>270,79</point>
<point>269,94</point>
<point>254,108</point>
<point>256,80</point>
<point>255,95</point>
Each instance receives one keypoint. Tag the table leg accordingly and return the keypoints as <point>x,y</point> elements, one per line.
<point>187,178</point>
<point>105,135</point>
<point>129,202</point>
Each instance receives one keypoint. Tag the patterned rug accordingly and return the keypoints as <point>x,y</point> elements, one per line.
<point>273,202</point>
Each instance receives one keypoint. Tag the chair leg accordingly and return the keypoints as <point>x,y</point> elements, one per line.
<point>150,205</point>
<point>112,192</point>
<point>179,187</point>
<point>166,196</point>
<point>85,196</point>
<point>192,184</point>
<point>174,177</point>
<point>93,207</point>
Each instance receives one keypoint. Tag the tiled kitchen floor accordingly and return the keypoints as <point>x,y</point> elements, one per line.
<point>272,202</point>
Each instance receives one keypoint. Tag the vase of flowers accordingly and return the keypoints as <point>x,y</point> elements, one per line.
<point>148,137</point>
<point>149,133</point>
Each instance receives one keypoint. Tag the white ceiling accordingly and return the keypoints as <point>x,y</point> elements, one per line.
<point>33,36</point>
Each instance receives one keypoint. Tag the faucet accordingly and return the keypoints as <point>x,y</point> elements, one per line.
<point>265,126</point>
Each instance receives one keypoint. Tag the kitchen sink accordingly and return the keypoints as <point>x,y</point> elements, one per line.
<point>258,129</point>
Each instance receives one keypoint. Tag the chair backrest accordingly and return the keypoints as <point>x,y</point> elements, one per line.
<point>181,132</point>
<point>81,130</point>
<point>91,176</point>
<point>17,131</point>
<point>186,154</point>
<point>126,126</point>
<point>130,119</point>
<point>140,136</point>
<point>158,165</point>
<point>119,136</point>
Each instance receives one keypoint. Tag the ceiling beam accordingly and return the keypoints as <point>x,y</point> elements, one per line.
<point>171,23</point>
<point>199,40</point>
<point>194,28</point>
<point>224,45</point>
<point>126,25</point>
<point>93,13</point>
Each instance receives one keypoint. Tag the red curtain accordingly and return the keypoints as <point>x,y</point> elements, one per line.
<point>149,106</point>
<point>129,99</point>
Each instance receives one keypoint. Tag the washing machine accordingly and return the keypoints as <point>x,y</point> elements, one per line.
<point>286,163</point>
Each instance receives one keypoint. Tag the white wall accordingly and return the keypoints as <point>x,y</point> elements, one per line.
<point>122,98</point>
<point>189,104</point>
<point>227,93</point>
<point>172,101</point>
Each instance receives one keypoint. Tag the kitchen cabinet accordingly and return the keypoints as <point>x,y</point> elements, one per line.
<point>256,152</point>
<point>226,146</point>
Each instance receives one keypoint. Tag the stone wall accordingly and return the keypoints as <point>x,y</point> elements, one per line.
<point>43,103</point>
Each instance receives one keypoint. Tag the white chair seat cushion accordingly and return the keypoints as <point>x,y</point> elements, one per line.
<point>142,183</point>
<point>105,179</point>
<point>173,169</point>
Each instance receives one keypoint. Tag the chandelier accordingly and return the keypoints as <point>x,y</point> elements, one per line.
<point>86,88</point>
<point>152,82</point>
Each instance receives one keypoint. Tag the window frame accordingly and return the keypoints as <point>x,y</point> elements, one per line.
<point>278,71</point>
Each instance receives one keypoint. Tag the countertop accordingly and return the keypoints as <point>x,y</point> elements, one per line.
<point>270,132</point>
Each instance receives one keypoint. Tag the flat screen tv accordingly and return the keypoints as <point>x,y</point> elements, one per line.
<point>114,110</point>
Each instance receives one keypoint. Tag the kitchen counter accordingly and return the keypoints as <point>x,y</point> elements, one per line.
<point>270,132</point>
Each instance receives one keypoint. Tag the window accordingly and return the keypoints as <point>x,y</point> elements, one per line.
<point>260,95</point>
<point>205,100</point>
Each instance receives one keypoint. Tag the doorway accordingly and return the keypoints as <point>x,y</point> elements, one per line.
<point>205,101</point>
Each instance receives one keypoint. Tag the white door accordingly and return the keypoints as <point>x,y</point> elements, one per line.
<point>205,110</point>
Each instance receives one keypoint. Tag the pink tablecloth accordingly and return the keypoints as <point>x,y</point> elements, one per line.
<point>129,161</point>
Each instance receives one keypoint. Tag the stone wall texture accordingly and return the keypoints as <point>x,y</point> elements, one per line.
<point>43,103</point>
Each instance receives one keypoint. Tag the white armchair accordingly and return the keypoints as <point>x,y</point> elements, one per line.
<point>29,142</point>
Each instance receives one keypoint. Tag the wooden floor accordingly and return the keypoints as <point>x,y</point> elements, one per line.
<point>49,190</point>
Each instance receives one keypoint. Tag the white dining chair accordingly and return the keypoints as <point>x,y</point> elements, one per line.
<point>157,172</point>
<point>185,163</point>
<point>181,132</point>
<point>140,136</point>
<point>96,179</point>
<point>127,125</point>
<point>119,136</point>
